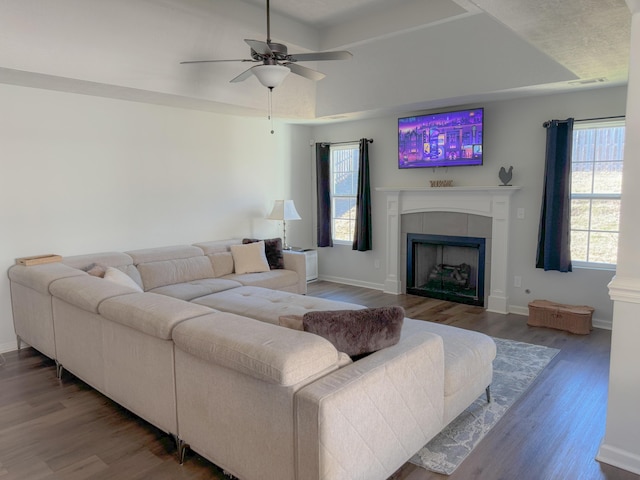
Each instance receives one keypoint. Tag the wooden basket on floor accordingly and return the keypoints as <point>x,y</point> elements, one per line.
<point>570,318</point>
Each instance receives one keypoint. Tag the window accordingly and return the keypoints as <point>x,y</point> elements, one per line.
<point>344,189</point>
<point>596,186</point>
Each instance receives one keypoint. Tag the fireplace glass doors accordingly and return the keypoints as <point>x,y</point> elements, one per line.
<point>446,267</point>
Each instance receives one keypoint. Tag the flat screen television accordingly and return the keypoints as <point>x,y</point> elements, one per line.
<point>444,139</point>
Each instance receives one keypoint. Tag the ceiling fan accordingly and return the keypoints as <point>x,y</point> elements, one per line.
<point>275,62</point>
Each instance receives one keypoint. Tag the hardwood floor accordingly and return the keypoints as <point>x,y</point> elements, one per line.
<point>52,429</point>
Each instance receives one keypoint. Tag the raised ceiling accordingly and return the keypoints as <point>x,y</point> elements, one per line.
<point>408,54</point>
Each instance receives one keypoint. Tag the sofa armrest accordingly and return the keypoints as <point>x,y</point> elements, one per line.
<point>368,418</point>
<point>297,262</point>
<point>39,277</point>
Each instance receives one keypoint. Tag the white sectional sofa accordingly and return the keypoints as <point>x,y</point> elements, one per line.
<point>198,352</point>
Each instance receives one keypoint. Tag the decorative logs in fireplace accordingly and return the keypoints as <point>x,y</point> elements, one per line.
<point>453,275</point>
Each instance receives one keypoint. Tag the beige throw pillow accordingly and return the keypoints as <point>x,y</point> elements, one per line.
<point>249,258</point>
<point>117,276</point>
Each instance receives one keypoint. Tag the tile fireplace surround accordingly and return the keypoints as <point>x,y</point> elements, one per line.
<point>491,202</point>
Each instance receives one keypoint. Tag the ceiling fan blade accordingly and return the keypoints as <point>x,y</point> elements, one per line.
<point>304,71</point>
<point>217,61</point>
<point>305,57</point>
<point>243,76</point>
<point>259,47</point>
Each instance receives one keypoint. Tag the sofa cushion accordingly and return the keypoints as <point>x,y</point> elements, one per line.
<point>217,246</point>
<point>197,288</point>
<point>87,292</point>
<point>293,322</point>
<point>222,263</point>
<point>266,352</point>
<point>106,259</point>
<point>249,258</point>
<point>150,313</point>
<point>170,272</point>
<point>159,254</point>
<point>267,305</point>
<point>272,250</point>
<point>357,332</point>
<point>114,275</point>
<point>273,279</point>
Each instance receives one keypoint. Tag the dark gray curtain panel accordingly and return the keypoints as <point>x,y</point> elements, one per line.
<point>323,189</point>
<point>362,235</point>
<point>554,234</point>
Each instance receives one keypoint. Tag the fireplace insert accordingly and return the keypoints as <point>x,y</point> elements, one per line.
<point>446,267</point>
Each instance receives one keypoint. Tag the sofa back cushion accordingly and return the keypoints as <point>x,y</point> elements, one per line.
<point>217,246</point>
<point>158,254</point>
<point>222,263</point>
<point>102,261</point>
<point>106,259</point>
<point>170,272</point>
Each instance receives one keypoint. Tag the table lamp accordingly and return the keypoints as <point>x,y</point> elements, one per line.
<point>284,210</point>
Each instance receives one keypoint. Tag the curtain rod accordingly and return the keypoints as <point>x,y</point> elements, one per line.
<point>548,122</point>
<point>324,144</point>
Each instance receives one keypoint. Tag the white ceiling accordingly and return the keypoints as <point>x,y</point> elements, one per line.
<point>408,54</point>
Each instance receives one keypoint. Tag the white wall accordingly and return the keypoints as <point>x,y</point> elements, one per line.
<point>513,136</point>
<point>81,174</point>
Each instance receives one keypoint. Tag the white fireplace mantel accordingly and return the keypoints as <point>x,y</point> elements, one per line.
<point>491,202</point>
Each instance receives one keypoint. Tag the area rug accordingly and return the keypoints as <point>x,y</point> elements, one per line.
<point>515,367</point>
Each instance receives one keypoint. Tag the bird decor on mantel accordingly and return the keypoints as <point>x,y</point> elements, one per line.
<point>505,176</point>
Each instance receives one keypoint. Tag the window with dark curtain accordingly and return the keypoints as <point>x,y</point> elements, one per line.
<point>362,238</point>
<point>323,189</point>
<point>554,234</point>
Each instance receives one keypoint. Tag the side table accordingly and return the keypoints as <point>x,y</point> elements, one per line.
<point>311,256</point>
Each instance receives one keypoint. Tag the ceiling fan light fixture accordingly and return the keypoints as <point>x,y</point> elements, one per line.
<point>270,76</point>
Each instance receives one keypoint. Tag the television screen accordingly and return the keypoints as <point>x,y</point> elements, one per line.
<point>441,139</point>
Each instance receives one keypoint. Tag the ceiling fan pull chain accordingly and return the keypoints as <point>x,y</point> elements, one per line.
<point>270,108</point>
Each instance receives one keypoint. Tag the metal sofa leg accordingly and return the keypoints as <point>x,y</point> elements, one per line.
<point>59,370</point>
<point>488,392</point>
<point>181,447</point>
<point>19,341</point>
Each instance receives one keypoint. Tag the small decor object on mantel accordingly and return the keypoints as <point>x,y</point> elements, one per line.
<point>505,176</point>
<point>441,183</point>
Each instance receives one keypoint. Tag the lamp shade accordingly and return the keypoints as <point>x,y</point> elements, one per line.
<point>284,210</point>
<point>270,75</point>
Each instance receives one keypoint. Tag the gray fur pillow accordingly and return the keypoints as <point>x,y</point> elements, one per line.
<point>357,332</point>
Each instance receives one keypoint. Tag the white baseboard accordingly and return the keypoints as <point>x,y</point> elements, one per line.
<point>619,458</point>
<point>8,347</point>
<point>603,324</point>
<point>354,283</point>
<point>517,310</point>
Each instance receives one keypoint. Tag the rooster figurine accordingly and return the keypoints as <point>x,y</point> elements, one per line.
<point>505,176</point>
